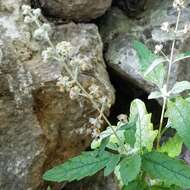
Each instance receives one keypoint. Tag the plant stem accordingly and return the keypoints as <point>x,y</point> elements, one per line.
<point>167,81</point>
<point>161,122</point>
<point>84,91</point>
<point>172,50</point>
<point>94,104</point>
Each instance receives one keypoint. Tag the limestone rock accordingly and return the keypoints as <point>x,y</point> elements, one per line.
<point>119,32</point>
<point>39,125</point>
<point>75,10</point>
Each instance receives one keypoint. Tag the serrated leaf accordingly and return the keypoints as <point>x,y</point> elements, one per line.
<point>160,188</point>
<point>182,56</point>
<point>179,87</point>
<point>172,147</point>
<point>155,95</point>
<point>145,55</point>
<point>129,168</point>
<point>136,185</point>
<point>167,169</point>
<point>129,133</point>
<point>147,58</point>
<point>102,146</point>
<point>144,134</point>
<point>165,188</point>
<point>110,166</point>
<point>155,63</point>
<point>178,113</point>
<point>86,164</point>
<point>157,76</point>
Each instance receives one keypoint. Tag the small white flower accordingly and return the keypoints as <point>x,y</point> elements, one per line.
<point>186,28</point>
<point>96,122</point>
<point>26,9</point>
<point>64,83</point>
<point>36,12</point>
<point>64,49</point>
<point>85,63</point>
<point>94,90</point>
<point>74,92</point>
<point>42,32</point>
<point>84,66</point>
<point>28,19</point>
<point>103,100</point>
<point>48,54</point>
<point>158,48</point>
<point>123,118</point>
<point>95,133</point>
<point>178,4</point>
<point>165,26</point>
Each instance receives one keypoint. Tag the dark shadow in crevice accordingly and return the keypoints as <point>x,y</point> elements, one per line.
<point>126,92</point>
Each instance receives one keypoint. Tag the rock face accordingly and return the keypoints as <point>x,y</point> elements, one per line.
<point>40,125</point>
<point>119,32</point>
<point>131,7</point>
<point>75,10</point>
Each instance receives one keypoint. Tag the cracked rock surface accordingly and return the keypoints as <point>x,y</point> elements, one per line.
<point>39,125</point>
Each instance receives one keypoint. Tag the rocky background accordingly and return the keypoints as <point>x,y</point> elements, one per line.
<point>39,125</point>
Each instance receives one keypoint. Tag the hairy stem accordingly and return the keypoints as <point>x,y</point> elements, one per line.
<point>161,122</point>
<point>95,105</point>
<point>167,80</point>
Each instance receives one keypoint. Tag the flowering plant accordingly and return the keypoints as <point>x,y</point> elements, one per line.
<point>132,149</point>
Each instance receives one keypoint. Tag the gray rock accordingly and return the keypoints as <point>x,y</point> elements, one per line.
<point>119,32</point>
<point>75,10</point>
<point>39,125</point>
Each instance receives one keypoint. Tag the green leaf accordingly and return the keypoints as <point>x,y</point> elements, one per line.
<point>160,188</point>
<point>157,76</point>
<point>129,133</point>
<point>179,87</point>
<point>136,185</point>
<point>172,147</point>
<point>144,134</point>
<point>145,55</point>
<point>182,56</point>
<point>49,188</point>
<point>86,164</point>
<point>110,166</point>
<point>151,65</point>
<point>168,169</point>
<point>129,168</point>
<point>178,113</point>
<point>165,188</point>
<point>155,95</point>
<point>103,146</point>
<point>154,64</point>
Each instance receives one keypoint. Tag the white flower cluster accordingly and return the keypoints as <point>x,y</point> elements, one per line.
<point>165,27</point>
<point>158,48</point>
<point>65,53</point>
<point>186,28</point>
<point>96,124</point>
<point>179,4</point>
<point>42,32</point>
<point>64,83</point>
<point>98,95</point>
<point>122,118</point>
<point>48,54</point>
<point>84,63</point>
<point>65,49</point>
<point>32,16</point>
